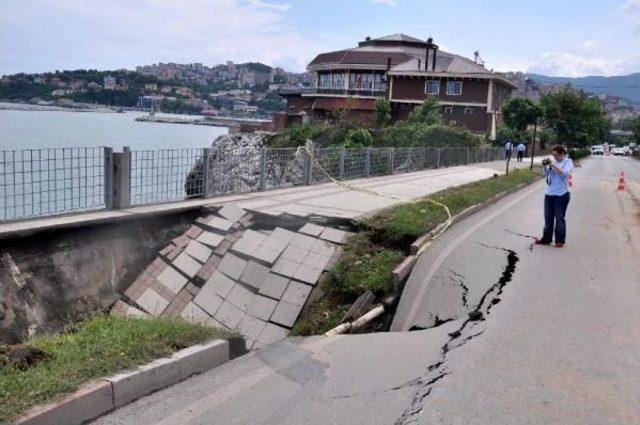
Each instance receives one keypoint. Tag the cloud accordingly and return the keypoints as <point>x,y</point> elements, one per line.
<point>387,2</point>
<point>120,33</point>
<point>632,11</point>
<point>568,64</point>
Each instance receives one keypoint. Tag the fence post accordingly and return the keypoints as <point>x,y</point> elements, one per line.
<point>343,153</point>
<point>121,180</point>
<point>308,163</point>
<point>391,155</point>
<point>468,153</point>
<point>367,163</point>
<point>438,158</point>
<point>206,171</point>
<point>263,167</point>
<point>108,178</point>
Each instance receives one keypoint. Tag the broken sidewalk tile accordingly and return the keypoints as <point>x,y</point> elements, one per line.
<point>152,302</point>
<point>173,280</point>
<point>286,314</point>
<point>232,265</point>
<point>210,239</point>
<point>311,229</point>
<point>231,213</point>
<point>254,275</point>
<point>198,251</point>
<point>186,264</point>
<point>274,286</point>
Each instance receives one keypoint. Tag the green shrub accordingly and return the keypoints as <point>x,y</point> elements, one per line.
<point>357,138</point>
<point>407,134</point>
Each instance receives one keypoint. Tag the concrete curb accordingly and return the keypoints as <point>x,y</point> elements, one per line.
<point>104,395</point>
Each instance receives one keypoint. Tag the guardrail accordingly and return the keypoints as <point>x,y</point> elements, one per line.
<point>43,182</point>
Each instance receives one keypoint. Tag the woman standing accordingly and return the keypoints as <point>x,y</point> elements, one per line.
<point>556,197</point>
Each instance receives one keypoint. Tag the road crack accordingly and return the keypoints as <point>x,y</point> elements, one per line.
<point>490,298</point>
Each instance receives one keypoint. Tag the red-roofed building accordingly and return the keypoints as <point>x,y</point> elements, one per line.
<point>404,70</point>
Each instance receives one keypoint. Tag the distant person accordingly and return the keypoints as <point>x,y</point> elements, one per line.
<point>557,196</point>
<point>507,150</point>
<point>521,148</point>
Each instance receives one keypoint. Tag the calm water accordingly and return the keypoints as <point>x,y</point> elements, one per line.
<point>48,129</point>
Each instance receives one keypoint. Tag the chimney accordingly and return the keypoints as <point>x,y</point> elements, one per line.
<point>434,48</point>
<point>367,38</point>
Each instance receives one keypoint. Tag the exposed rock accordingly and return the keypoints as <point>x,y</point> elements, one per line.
<point>236,166</point>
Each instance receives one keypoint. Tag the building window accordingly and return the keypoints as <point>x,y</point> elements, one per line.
<point>448,110</point>
<point>432,87</point>
<point>454,88</point>
<point>468,110</point>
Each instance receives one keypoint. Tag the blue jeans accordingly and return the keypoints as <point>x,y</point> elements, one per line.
<point>555,207</point>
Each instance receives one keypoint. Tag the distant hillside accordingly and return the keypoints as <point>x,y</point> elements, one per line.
<point>627,86</point>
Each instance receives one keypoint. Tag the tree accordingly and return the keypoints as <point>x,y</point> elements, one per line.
<point>382,113</point>
<point>519,113</point>
<point>577,120</point>
<point>428,113</point>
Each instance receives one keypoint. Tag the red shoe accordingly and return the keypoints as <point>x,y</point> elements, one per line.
<point>559,245</point>
<point>541,242</point>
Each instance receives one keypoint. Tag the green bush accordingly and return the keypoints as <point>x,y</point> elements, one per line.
<point>576,154</point>
<point>407,134</point>
<point>357,138</point>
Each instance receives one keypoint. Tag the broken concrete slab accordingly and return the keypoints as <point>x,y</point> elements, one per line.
<point>229,315</point>
<point>194,314</point>
<point>295,254</point>
<point>334,235</point>
<point>198,251</point>
<point>315,261</point>
<point>232,212</point>
<point>251,328</point>
<point>285,267</point>
<point>286,314</point>
<point>254,275</point>
<point>274,286</point>
<point>270,334</point>
<point>240,296</point>
<point>302,241</point>
<point>262,308</point>
<point>232,265</point>
<point>186,264</point>
<point>172,279</point>
<point>221,284</point>
<point>296,293</point>
<point>306,274</point>
<point>152,302</point>
<point>208,299</point>
<point>220,223</point>
<point>210,239</point>
<point>311,229</point>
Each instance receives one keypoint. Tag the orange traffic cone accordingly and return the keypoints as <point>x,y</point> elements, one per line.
<point>621,183</point>
<point>570,180</point>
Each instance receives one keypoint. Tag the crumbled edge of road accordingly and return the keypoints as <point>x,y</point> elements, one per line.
<point>384,241</point>
<point>97,347</point>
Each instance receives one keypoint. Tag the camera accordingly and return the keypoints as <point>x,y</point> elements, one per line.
<point>546,162</point>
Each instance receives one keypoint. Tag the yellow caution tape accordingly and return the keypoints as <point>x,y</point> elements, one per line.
<point>374,193</point>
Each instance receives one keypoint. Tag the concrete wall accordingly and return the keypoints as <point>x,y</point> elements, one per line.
<point>46,276</point>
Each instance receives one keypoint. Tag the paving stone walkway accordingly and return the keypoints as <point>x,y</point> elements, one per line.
<point>223,272</point>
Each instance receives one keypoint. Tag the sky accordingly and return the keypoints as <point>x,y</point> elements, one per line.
<point>569,38</point>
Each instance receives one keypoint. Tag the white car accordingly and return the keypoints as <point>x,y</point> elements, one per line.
<point>597,150</point>
<point>617,151</point>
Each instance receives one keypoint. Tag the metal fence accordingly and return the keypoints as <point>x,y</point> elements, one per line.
<point>41,182</point>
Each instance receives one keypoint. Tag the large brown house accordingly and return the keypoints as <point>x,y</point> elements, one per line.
<point>404,70</point>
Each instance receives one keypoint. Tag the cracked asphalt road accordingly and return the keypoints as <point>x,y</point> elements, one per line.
<point>514,334</point>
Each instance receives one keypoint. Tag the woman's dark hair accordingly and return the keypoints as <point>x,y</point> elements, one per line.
<point>560,149</point>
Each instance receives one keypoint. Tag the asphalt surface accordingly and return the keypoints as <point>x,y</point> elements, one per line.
<point>553,336</point>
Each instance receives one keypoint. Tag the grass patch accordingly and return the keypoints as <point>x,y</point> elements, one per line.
<point>399,226</point>
<point>97,347</point>
<point>370,256</point>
